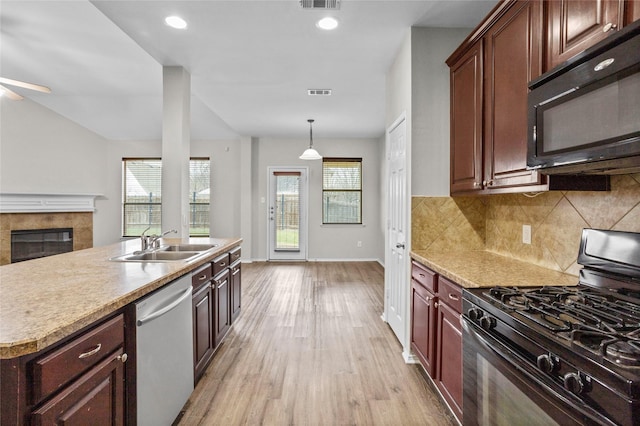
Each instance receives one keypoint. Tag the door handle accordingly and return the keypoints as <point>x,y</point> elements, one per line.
<point>399,245</point>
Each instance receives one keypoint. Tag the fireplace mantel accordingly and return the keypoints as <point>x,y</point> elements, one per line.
<point>47,203</point>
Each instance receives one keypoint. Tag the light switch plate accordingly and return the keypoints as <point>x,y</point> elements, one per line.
<point>526,234</point>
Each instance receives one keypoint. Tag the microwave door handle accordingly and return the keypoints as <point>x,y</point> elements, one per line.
<point>573,89</point>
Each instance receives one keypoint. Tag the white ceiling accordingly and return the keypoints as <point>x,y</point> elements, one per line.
<point>251,62</point>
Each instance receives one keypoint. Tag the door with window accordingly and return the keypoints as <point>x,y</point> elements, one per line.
<point>287,210</point>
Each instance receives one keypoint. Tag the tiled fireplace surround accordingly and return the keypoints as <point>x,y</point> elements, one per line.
<point>494,222</point>
<point>81,222</point>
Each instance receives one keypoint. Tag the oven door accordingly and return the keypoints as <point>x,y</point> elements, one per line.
<point>501,389</point>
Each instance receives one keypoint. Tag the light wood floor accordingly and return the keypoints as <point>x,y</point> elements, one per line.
<point>309,348</point>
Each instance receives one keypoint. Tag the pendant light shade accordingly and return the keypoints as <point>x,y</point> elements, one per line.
<point>310,153</point>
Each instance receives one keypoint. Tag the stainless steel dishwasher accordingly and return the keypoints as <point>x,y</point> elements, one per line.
<point>164,357</point>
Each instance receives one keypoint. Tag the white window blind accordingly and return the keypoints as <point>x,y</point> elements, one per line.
<point>342,190</point>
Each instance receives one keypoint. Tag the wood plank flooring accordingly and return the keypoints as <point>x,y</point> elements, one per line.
<point>309,348</point>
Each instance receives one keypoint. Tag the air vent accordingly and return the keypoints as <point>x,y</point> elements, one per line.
<point>319,92</point>
<point>320,4</point>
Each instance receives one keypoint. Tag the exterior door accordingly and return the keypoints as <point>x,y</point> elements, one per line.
<point>287,213</point>
<point>396,266</point>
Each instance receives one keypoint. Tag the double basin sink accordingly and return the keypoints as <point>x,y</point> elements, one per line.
<point>169,253</point>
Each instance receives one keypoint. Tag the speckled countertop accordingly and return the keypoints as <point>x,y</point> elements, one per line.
<point>44,300</point>
<point>472,269</point>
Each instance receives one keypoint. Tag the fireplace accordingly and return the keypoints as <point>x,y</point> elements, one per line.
<point>35,243</point>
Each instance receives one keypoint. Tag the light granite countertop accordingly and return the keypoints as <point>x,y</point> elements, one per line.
<point>473,269</point>
<point>45,300</point>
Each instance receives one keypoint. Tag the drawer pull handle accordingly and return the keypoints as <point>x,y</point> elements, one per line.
<point>454,296</point>
<point>223,264</point>
<point>91,352</point>
<point>422,275</point>
<point>202,277</point>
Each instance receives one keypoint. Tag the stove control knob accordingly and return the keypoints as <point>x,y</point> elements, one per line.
<point>548,363</point>
<point>573,383</point>
<point>488,323</point>
<point>475,314</point>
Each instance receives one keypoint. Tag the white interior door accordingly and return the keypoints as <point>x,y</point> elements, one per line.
<point>287,212</point>
<point>396,283</point>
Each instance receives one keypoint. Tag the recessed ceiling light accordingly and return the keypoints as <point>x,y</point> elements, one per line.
<point>327,23</point>
<point>176,22</point>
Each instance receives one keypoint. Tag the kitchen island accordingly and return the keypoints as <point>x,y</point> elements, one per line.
<point>67,328</point>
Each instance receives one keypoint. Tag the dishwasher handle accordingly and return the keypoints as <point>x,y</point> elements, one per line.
<point>166,309</point>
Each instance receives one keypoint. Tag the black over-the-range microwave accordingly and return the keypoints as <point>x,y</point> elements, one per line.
<point>584,115</point>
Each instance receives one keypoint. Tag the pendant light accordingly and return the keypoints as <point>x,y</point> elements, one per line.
<point>310,153</point>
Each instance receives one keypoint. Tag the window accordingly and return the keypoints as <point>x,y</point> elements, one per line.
<point>142,196</point>
<point>199,196</point>
<point>342,190</point>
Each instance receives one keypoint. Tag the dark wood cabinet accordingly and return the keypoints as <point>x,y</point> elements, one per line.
<point>236,289</point>
<point>449,346</point>
<point>436,332</point>
<point>203,321</point>
<point>96,398</point>
<point>423,315</point>
<point>489,91</point>
<point>221,287</point>
<point>574,25</point>
<point>466,121</point>
<point>512,58</point>
<point>80,380</point>
<point>631,11</point>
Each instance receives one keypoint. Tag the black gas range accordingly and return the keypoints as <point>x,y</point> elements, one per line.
<point>558,354</point>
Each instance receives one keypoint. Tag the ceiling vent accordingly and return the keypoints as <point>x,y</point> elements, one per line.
<point>320,4</point>
<point>319,92</point>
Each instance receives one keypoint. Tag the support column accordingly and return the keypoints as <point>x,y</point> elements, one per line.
<point>176,141</point>
<point>246,197</point>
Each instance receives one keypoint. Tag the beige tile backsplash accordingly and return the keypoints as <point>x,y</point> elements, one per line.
<point>494,222</point>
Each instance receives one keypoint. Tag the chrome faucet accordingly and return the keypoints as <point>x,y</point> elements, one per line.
<point>154,240</point>
<point>144,240</point>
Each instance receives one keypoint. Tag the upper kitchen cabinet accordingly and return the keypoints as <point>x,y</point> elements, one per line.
<point>490,73</point>
<point>573,26</point>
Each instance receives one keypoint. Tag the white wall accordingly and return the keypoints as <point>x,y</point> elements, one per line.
<point>326,242</point>
<point>225,174</point>
<point>43,152</point>
<point>430,47</point>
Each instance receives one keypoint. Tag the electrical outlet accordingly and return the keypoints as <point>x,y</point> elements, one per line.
<point>526,234</point>
<point>359,244</point>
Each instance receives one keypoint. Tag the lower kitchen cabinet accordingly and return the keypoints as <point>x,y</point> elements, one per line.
<point>223,313</point>
<point>236,289</point>
<point>79,381</point>
<point>203,320</point>
<point>436,332</point>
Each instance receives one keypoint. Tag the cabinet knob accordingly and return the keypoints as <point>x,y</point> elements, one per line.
<point>608,27</point>
<point>476,184</point>
<point>123,358</point>
<point>435,305</point>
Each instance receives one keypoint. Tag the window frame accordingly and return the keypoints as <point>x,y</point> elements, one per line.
<point>124,197</point>
<point>360,191</point>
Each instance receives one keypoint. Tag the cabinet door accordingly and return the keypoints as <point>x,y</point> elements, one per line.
<point>449,357</point>
<point>423,327</point>
<point>203,321</point>
<point>223,318</point>
<point>631,11</point>
<point>512,59</point>
<point>466,121</point>
<point>575,25</point>
<point>96,398</point>
<point>236,287</point>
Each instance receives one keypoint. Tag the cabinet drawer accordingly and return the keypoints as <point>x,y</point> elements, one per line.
<point>59,367</point>
<point>234,254</point>
<point>201,277</point>
<point>421,290</point>
<point>451,294</point>
<point>220,263</point>
<point>424,276</point>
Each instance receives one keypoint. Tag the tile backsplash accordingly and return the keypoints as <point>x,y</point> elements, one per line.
<point>494,222</point>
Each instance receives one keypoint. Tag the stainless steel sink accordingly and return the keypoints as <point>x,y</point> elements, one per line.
<point>169,253</point>
<point>188,247</point>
